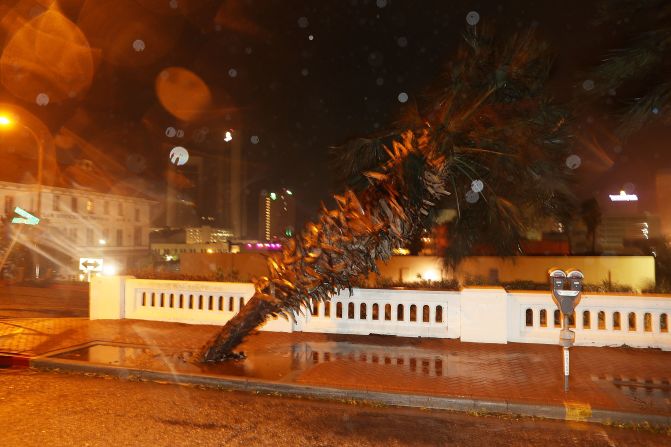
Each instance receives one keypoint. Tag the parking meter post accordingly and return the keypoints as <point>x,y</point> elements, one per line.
<point>566,368</point>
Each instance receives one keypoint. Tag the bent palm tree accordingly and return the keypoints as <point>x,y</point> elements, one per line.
<point>491,123</point>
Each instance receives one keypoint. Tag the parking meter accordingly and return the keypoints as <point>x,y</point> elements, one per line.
<point>566,300</point>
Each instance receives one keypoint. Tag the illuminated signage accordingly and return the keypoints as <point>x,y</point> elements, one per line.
<point>623,197</point>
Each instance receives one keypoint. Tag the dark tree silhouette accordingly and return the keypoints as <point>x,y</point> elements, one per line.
<point>488,140</point>
<point>590,212</point>
<point>636,76</point>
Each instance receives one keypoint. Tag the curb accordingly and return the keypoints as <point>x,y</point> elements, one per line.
<point>568,412</point>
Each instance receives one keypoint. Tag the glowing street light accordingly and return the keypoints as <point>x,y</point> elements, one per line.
<point>5,121</point>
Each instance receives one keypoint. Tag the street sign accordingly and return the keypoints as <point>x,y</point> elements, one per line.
<point>91,264</point>
<point>26,219</point>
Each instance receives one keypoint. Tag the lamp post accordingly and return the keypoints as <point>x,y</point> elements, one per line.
<point>6,121</point>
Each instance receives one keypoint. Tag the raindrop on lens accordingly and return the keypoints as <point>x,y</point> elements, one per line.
<point>255,139</point>
<point>472,18</point>
<point>305,72</point>
<point>173,4</point>
<point>138,45</point>
<point>573,161</point>
<point>655,110</point>
<point>42,99</point>
<point>180,133</point>
<point>248,50</point>
<point>232,72</point>
<point>402,42</point>
<point>588,85</point>
<point>379,81</point>
<point>311,37</point>
<point>381,3</point>
<point>472,196</point>
<point>170,132</point>
<point>179,155</point>
<point>303,22</point>
<point>403,97</point>
<point>477,186</point>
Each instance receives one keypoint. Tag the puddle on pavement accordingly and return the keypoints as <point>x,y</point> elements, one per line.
<point>288,360</point>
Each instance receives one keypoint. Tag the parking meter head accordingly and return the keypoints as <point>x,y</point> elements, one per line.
<point>557,278</point>
<point>566,300</point>
<point>575,279</point>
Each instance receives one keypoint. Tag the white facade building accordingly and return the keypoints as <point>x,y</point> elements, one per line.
<point>78,223</point>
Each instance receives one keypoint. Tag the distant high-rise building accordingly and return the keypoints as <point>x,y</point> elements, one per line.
<point>663,193</point>
<point>208,190</point>
<point>277,214</point>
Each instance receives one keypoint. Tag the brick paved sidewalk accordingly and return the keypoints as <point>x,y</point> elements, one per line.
<point>620,379</point>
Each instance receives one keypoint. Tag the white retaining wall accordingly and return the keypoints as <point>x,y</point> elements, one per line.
<point>484,315</point>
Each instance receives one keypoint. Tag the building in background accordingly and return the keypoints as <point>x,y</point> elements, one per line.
<point>78,223</point>
<point>209,189</point>
<point>663,196</point>
<point>277,214</point>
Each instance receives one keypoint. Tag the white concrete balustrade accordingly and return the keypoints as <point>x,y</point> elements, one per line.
<point>485,315</point>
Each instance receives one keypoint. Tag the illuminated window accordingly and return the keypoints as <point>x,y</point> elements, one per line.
<point>137,214</point>
<point>120,209</point>
<point>73,204</point>
<point>89,206</point>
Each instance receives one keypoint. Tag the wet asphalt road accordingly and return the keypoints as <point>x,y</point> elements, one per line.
<point>58,409</point>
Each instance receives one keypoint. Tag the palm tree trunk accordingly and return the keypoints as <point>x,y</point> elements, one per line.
<point>221,346</point>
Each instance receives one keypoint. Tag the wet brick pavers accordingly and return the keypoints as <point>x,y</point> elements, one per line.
<point>622,379</point>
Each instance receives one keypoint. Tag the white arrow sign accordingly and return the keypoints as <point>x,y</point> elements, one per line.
<point>91,264</point>
<point>26,219</point>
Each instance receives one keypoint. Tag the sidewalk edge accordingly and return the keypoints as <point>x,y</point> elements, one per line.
<point>608,417</point>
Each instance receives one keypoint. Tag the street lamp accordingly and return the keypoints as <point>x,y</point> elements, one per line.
<point>6,122</point>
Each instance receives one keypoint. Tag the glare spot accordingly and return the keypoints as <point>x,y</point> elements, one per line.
<point>303,22</point>
<point>588,85</point>
<point>629,187</point>
<point>477,186</point>
<point>573,161</point>
<point>472,196</point>
<point>402,42</point>
<point>170,132</point>
<point>403,97</point>
<point>379,81</point>
<point>375,59</point>
<point>42,99</point>
<point>179,155</point>
<point>472,18</point>
<point>305,72</point>
<point>174,4</point>
<point>255,139</point>
<point>180,133</point>
<point>655,110</point>
<point>228,136</point>
<point>311,37</point>
<point>232,72</point>
<point>138,45</point>
<point>381,3</point>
